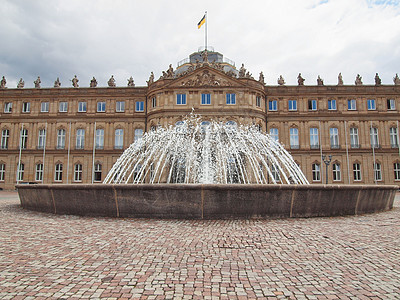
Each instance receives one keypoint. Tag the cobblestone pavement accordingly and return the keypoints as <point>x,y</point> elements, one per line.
<point>51,256</point>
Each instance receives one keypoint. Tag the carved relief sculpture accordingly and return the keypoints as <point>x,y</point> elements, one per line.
<point>205,79</point>
<point>358,80</point>
<point>300,79</point>
<point>37,83</point>
<point>378,81</point>
<point>20,84</point>
<point>111,81</point>
<point>340,79</point>
<point>281,81</point>
<point>57,83</point>
<point>93,82</point>
<point>131,83</point>
<point>3,83</point>
<point>75,81</point>
<point>320,81</point>
<point>396,79</point>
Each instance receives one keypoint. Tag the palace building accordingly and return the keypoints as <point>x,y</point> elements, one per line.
<point>74,135</point>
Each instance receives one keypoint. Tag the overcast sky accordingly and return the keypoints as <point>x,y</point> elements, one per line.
<point>52,38</point>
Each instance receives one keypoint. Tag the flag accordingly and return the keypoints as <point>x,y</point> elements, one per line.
<point>202,21</point>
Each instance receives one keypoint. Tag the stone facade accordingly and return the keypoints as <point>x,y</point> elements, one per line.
<point>86,129</point>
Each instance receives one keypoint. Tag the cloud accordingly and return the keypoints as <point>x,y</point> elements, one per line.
<point>54,38</point>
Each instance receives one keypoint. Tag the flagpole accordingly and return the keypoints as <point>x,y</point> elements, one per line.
<point>206,30</point>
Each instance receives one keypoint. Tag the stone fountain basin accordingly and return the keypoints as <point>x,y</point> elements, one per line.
<point>207,201</point>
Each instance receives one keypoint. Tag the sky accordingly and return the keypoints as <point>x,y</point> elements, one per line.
<point>63,38</point>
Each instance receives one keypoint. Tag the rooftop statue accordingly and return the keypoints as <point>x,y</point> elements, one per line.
<point>358,80</point>
<point>300,79</point>
<point>37,83</point>
<point>75,81</point>
<point>340,79</point>
<point>320,81</point>
<point>93,82</point>
<point>205,56</point>
<point>57,83</point>
<point>378,81</point>
<point>396,79</point>
<point>131,83</point>
<point>20,84</point>
<point>281,81</point>
<point>111,81</point>
<point>170,72</point>
<point>242,72</point>
<point>3,83</point>
<point>261,78</point>
<point>151,79</point>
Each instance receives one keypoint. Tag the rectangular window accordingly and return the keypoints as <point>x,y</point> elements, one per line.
<point>181,99</point>
<point>294,138</point>
<point>312,104</point>
<point>44,107</point>
<point>334,137</point>
<point>80,138</point>
<point>24,139</point>
<point>2,171</point>
<point>272,105</point>
<point>391,104</point>
<point>99,138</point>
<point>120,106</point>
<point>8,107</point>
<point>357,172</point>
<point>314,140</point>
<point>275,173</point>
<point>60,139</point>
<point>374,137</point>
<point>58,172</point>
<point>206,99</point>
<point>154,102</point>
<point>316,172</point>
<point>332,104</point>
<point>101,106</point>
<point>26,107</point>
<point>371,104</point>
<point>97,172</point>
<point>274,133</point>
<point>396,168</point>
<point>78,173</point>
<point>139,106</point>
<point>351,104</point>
<point>63,107</point>
<point>5,135</point>
<point>394,138</point>
<point>42,139</point>
<point>354,143</point>
<point>20,173</point>
<point>82,106</point>
<point>230,98</point>
<point>258,101</point>
<point>138,134</point>
<point>39,172</point>
<point>119,139</point>
<point>292,105</point>
<point>377,172</point>
<point>337,176</point>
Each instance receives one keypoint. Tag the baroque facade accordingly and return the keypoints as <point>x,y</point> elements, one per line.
<point>74,135</point>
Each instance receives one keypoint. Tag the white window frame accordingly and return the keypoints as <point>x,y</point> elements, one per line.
<point>8,107</point>
<point>377,171</point>
<point>44,107</point>
<point>396,169</point>
<point>2,171</point>
<point>230,98</point>
<point>63,106</point>
<point>80,138</point>
<point>357,175</point>
<point>292,105</point>
<point>351,104</point>
<point>314,138</point>
<point>119,138</point>
<point>354,140</point>
<point>20,171</point>
<point>61,133</point>
<point>391,104</point>
<point>180,99</point>
<point>26,107</point>
<point>394,138</point>
<point>334,137</point>
<point>24,138</point>
<point>294,138</point>
<point>336,172</point>
<point>120,106</point>
<point>332,104</point>
<point>41,138</point>
<point>154,102</point>
<point>371,104</point>
<point>139,106</point>
<point>97,171</point>
<point>39,172</point>
<point>99,138</point>
<point>101,106</point>
<point>258,101</point>
<point>374,137</point>
<point>5,136</point>
<point>272,105</point>
<point>78,172</point>
<point>205,99</point>
<point>138,134</point>
<point>312,105</point>
<point>58,172</point>
<point>274,133</point>
<point>316,172</point>
<point>82,106</point>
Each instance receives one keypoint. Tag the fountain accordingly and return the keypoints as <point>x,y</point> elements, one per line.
<point>206,170</point>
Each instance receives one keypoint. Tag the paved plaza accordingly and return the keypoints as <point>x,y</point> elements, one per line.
<point>52,256</point>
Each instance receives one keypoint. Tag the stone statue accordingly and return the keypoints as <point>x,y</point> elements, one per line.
<point>300,79</point>
<point>131,83</point>
<point>205,56</point>
<point>93,82</point>
<point>37,83</point>
<point>57,83</point>
<point>151,79</point>
<point>170,72</point>
<point>378,80</point>
<point>3,83</point>
<point>281,81</point>
<point>248,75</point>
<point>340,79</point>
<point>320,81</point>
<point>261,78</point>
<point>396,79</point>
<point>111,81</point>
<point>242,71</point>
<point>75,81</point>
<point>20,84</point>
<point>358,80</point>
